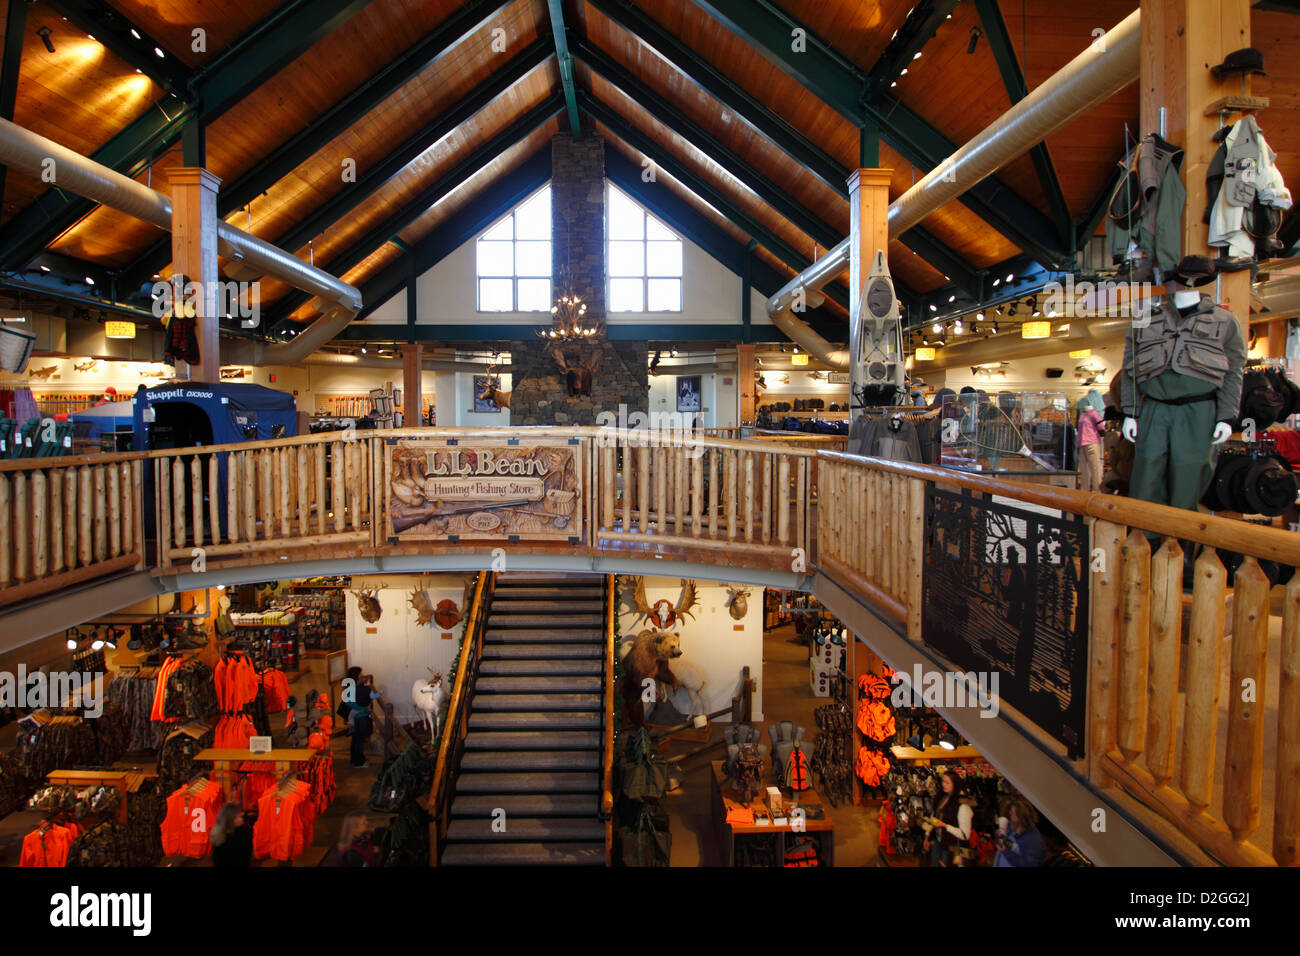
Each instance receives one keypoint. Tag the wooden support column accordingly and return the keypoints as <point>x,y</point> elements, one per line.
<point>412,366</point>
<point>745,378</point>
<point>868,226</point>
<point>1181,40</point>
<point>194,255</point>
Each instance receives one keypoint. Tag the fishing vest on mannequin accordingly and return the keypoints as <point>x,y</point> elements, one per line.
<point>1180,388</point>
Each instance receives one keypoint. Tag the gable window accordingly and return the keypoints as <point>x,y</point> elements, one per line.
<point>514,259</point>
<point>645,259</point>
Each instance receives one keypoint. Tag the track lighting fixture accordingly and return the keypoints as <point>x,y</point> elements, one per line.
<point>44,34</point>
<point>937,327</point>
<point>933,307</point>
<point>975,35</point>
<point>948,740</point>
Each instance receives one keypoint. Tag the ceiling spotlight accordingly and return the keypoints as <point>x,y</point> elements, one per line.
<point>363,350</point>
<point>894,84</point>
<point>952,298</point>
<point>995,328</point>
<point>997,282</point>
<point>980,316</point>
<point>903,72</point>
<point>673,353</point>
<point>45,268</point>
<point>1011,276</point>
<point>89,281</point>
<point>933,307</point>
<point>159,53</point>
<point>44,34</point>
<point>948,740</point>
<point>134,33</point>
<point>957,327</point>
<point>975,35</point>
<point>937,327</point>
<point>72,643</point>
<point>916,55</point>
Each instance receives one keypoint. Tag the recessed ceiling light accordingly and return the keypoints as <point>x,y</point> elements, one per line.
<point>134,33</point>
<point>1011,277</point>
<point>952,298</point>
<point>45,268</point>
<point>916,55</point>
<point>159,52</point>
<point>904,72</point>
<point>89,281</point>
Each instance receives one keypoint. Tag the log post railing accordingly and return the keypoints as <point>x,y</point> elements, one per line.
<point>313,491</point>
<point>676,489</point>
<point>1158,742</point>
<point>65,521</point>
<point>456,724</point>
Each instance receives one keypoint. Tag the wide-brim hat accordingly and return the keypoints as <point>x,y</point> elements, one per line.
<point>1223,494</point>
<point>1193,271</point>
<point>1269,487</point>
<point>1240,62</point>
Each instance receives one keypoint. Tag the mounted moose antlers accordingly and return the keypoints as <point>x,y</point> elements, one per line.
<point>663,612</point>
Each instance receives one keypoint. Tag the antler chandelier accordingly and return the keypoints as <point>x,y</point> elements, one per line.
<point>569,322</point>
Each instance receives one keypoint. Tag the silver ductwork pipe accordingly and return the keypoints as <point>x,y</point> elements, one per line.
<point>42,158</point>
<point>1106,67</point>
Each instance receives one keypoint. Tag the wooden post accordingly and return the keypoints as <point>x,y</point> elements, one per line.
<point>1286,801</point>
<point>412,366</point>
<point>194,255</point>
<point>40,541</point>
<point>56,521</point>
<point>697,490</point>
<point>162,481</point>
<point>714,493</point>
<point>304,497</point>
<point>265,497</point>
<point>178,500</point>
<point>765,496</point>
<point>643,488</point>
<point>1244,770</point>
<point>114,510</point>
<point>322,504</point>
<point>6,534</point>
<point>915,558</point>
<point>729,493</point>
<point>248,494</point>
<point>1135,623</point>
<point>1204,660</point>
<point>747,470</point>
<point>85,512</point>
<point>745,379</point>
<point>1181,40</point>
<point>285,489</point>
<point>214,500</point>
<point>337,478</point>
<point>608,477</point>
<point>1166,640</point>
<point>196,499</point>
<point>234,482</point>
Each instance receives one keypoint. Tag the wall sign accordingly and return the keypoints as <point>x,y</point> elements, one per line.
<point>485,490</point>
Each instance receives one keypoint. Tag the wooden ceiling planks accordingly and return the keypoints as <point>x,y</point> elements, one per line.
<point>78,96</point>
<point>860,31</point>
<point>1277,37</point>
<point>173,22</point>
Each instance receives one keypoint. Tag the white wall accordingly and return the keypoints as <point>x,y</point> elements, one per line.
<point>1030,374</point>
<point>400,652</point>
<point>710,639</point>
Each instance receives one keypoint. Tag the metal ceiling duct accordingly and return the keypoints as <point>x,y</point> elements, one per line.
<point>1106,67</point>
<point>42,158</point>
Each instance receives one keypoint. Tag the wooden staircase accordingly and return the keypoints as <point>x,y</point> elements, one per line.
<point>528,787</point>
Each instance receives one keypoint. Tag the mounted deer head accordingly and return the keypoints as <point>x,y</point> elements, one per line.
<point>739,603</point>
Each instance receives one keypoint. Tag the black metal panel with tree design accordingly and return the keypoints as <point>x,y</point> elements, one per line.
<point>1006,590</point>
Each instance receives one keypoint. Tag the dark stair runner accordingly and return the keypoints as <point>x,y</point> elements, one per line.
<point>536,729</point>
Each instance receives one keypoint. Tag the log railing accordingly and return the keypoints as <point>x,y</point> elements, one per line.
<point>456,724</point>
<point>239,499</point>
<point>1172,725</point>
<point>64,521</point>
<point>737,496</point>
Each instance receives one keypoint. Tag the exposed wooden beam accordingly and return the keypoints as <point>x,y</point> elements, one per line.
<point>10,67</point>
<point>115,32</point>
<point>921,24</point>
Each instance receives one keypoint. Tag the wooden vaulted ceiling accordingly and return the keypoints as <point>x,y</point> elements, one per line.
<point>83,94</point>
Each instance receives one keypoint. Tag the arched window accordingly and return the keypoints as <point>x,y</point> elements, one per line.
<point>514,259</point>
<point>644,259</point>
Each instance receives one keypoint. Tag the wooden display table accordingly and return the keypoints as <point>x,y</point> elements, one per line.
<point>726,799</point>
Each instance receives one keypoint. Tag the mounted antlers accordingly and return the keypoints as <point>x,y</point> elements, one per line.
<point>663,612</point>
<point>493,390</point>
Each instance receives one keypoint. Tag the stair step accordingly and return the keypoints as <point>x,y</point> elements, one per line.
<point>542,722</point>
<point>549,684</point>
<point>558,782</point>
<point>540,668</point>
<point>526,805</point>
<point>524,854</point>
<point>533,619</point>
<point>527,591</point>
<point>533,740</point>
<point>549,578</point>
<point>542,651</point>
<point>529,761</point>
<point>504,604</point>
<point>545,635</point>
<point>536,702</point>
<point>525,830</point>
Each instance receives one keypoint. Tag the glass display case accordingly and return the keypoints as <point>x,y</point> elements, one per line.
<point>1008,433</point>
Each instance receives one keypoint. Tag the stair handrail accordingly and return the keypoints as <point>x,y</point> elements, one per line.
<point>470,649</point>
<point>607,779</point>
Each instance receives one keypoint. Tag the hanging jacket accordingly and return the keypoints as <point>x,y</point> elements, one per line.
<point>1242,172</point>
<point>1146,209</point>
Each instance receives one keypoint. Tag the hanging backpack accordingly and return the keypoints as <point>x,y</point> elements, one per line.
<point>796,771</point>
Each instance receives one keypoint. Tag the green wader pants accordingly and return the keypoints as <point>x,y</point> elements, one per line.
<point>1173,461</point>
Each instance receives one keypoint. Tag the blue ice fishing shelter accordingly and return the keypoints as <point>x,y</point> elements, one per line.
<point>190,414</point>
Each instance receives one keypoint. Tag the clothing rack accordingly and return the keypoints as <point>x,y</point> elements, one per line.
<point>124,781</point>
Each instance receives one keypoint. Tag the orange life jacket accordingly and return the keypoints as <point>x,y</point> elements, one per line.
<point>796,771</point>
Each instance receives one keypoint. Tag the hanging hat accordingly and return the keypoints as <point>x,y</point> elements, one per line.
<point>1269,487</point>
<point>1225,493</point>
<point>1239,63</point>
<point>1193,271</point>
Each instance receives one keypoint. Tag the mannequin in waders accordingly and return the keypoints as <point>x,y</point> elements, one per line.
<point>1180,388</point>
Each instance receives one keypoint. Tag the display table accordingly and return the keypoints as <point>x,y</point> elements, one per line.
<point>726,799</point>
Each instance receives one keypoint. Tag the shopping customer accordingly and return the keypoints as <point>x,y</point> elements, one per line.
<point>232,838</point>
<point>1088,429</point>
<point>1021,844</point>
<point>360,720</point>
<point>951,823</point>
